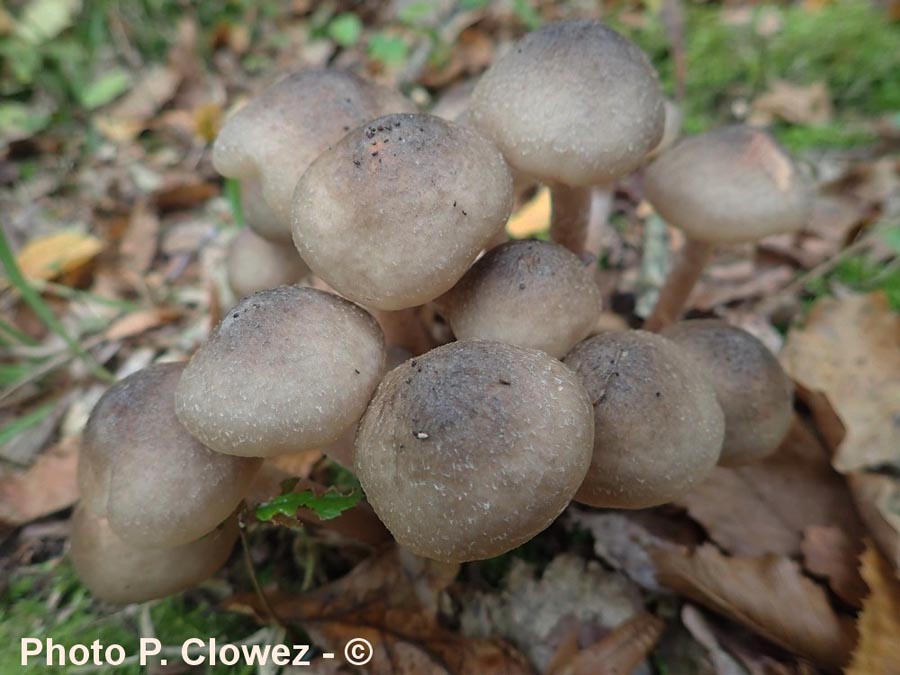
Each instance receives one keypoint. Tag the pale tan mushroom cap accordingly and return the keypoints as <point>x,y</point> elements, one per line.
<point>256,264</point>
<point>118,572</point>
<point>258,215</point>
<point>730,185</point>
<point>288,369</point>
<point>573,102</point>
<point>277,135</point>
<point>142,469</point>
<point>531,294</point>
<point>472,449</point>
<point>753,390</point>
<point>659,429</point>
<point>394,214</point>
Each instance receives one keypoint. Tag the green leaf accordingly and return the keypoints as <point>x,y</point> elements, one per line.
<point>417,13</point>
<point>105,89</point>
<point>388,49</point>
<point>345,29</point>
<point>327,506</point>
<point>43,20</point>
<point>473,4</point>
<point>527,14</point>
<point>19,121</point>
<point>235,200</point>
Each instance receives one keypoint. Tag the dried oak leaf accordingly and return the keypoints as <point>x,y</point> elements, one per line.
<point>46,258</point>
<point>48,486</point>
<point>849,350</point>
<point>878,650</point>
<point>831,553</point>
<point>390,601</point>
<point>767,506</point>
<point>877,497</point>
<point>768,595</point>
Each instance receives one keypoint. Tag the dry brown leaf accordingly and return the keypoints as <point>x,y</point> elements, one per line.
<point>878,650</point>
<point>48,486</point>
<point>621,651</point>
<point>140,322</point>
<point>133,113</point>
<point>385,600</point>
<point>797,104</point>
<point>769,595</point>
<point>138,246</point>
<point>184,192</point>
<point>532,218</point>
<point>45,258</point>
<point>831,553</point>
<point>765,507</point>
<point>849,350</point>
<point>877,497</point>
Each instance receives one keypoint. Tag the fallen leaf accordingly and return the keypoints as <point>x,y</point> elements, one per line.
<point>621,651</point>
<point>831,553</point>
<point>700,629</point>
<point>766,507</point>
<point>48,486</point>
<point>769,595</point>
<point>531,611</point>
<point>138,246</point>
<point>764,281</point>
<point>877,497</point>
<point>45,258</point>
<point>797,104</point>
<point>849,350</point>
<point>125,120</point>
<point>389,600</point>
<point>184,193</point>
<point>532,218</point>
<point>878,650</point>
<point>140,322</point>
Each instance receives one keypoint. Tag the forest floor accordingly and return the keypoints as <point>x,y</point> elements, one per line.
<point>113,230</point>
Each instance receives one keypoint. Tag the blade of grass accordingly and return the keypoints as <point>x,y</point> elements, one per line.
<point>37,304</point>
<point>16,334</point>
<point>233,194</point>
<point>17,426</point>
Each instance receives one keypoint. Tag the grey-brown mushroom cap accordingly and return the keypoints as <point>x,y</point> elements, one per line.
<point>288,369</point>
<point>573,102</point>
<point>256,264</point>
<point>258,215</point>
<point>157,484</point>
<point>395,213</point>
<point>753,390</point>
<point>659,428</point>
<point>118,572</point>
<point>277,135</point>
<point>531,294</point>
<point>729,185</point>
<point>473,448</point>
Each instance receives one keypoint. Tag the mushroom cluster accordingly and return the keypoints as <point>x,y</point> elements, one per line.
<point>467,383</point>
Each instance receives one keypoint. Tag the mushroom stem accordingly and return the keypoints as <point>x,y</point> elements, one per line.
<point>598,220</point>
<point>679,284</point>
<point>404,328</point>
<point>571,210</point>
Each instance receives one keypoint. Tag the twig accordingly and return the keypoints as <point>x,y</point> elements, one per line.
<point>264,601</point>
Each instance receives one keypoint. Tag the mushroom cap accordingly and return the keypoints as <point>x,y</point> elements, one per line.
<point>573,102</point>
<point>288,369</point>
<point>256,264</point>
<point>671,129</point>
<point>753,390</point>
<point>395,213</point>
<point>473,448</point>
<point>116,571</point>
<point>659,428</point>
<point>729,185</point>
<point>278,134</point>
<point>497,297</point>
<point>141,468</point>
<point>258,215</point>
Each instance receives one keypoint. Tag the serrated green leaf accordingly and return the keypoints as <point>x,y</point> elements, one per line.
<point>105,89</point>
<point>388,49</point>
<point>327,506</point>
<point>345,29</point>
